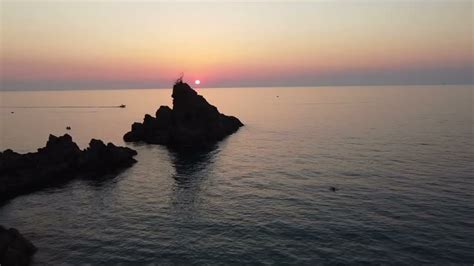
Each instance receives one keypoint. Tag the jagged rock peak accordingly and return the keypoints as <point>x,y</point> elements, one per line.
<point>192,122</point>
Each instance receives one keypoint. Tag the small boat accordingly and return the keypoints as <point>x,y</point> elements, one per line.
<point>122,106</point>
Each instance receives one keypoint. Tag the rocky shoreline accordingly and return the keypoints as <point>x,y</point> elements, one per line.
<point>192,123</point>
<point>15,249</point>
<point>59,161</point>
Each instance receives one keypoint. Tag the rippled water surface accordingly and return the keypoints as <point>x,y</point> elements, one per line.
<point>401,158</point>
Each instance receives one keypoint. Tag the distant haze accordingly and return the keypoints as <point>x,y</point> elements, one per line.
<point>89,45</point>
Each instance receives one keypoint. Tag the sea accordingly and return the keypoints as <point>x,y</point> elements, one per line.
<point>400,158</point>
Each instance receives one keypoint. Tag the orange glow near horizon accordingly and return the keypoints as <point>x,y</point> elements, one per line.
<point>229,43</point>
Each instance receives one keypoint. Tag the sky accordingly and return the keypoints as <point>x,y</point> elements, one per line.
<point>133,44</point>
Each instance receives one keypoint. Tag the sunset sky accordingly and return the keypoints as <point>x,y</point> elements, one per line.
<point>103,44</point>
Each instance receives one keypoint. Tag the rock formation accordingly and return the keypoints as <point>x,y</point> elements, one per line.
<point>60,161</point>
<point>192,122</point>
<point>14,248</point>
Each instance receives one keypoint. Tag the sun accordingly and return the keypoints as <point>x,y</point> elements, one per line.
<point>197,82</point>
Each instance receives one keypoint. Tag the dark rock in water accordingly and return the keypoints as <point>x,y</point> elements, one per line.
<point>192,122</point>
<point>60,161</point>
<point>15,249</point>
<point>68,128</point>
<point>333,189</point>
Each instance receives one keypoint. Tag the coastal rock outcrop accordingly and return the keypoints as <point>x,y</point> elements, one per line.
<point>192,122</point>
<point>59,161</point>
<point>15,249</point>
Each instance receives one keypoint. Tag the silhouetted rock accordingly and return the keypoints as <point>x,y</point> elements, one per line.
<point>192,122</point>
<point>15,249</point>
<point>60,160</point>
<point>333,189</point>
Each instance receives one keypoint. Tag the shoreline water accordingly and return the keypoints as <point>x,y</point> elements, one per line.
<point>401,161</point>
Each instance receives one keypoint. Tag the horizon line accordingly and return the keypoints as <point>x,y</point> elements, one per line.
<point>238,87</point>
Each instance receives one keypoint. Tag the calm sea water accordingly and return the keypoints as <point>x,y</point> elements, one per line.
<point>401,157</point>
